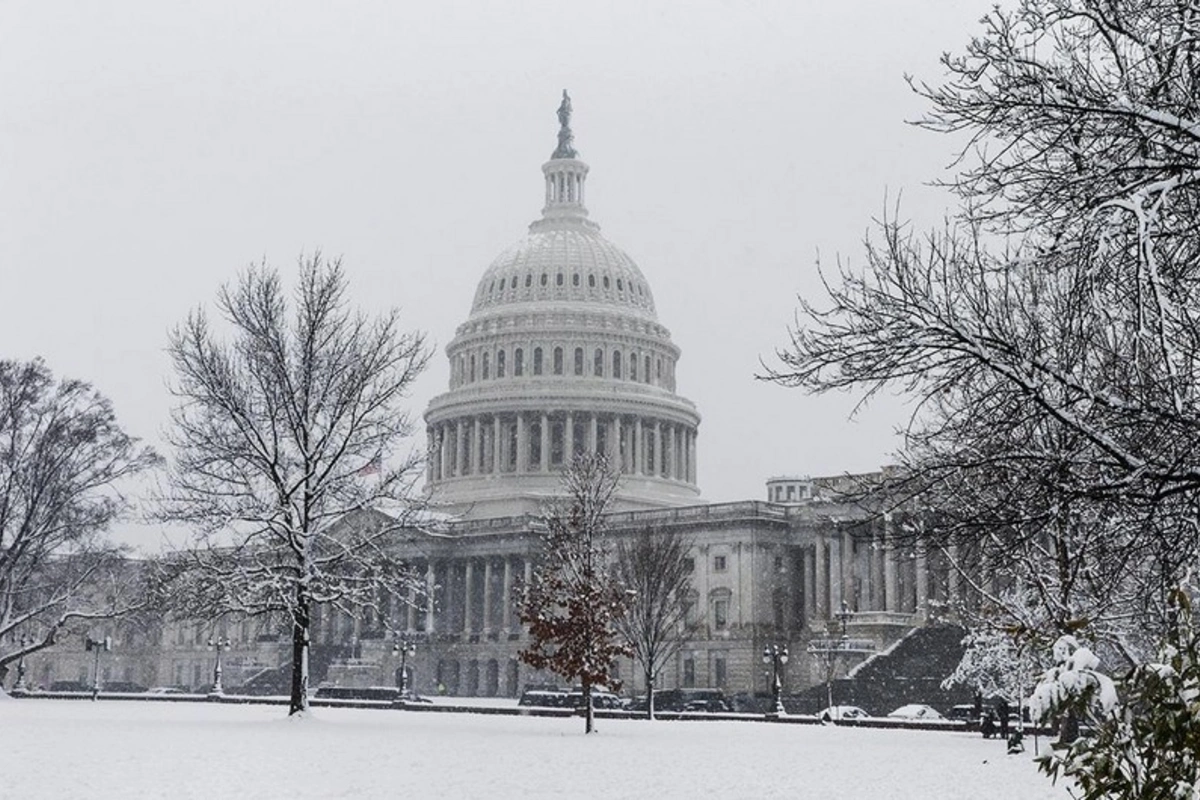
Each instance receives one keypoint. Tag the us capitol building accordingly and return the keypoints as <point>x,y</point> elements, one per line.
<point>564,353</point>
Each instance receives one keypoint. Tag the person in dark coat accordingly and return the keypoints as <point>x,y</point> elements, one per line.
<point>988,726</point>
<point>1002,712</point>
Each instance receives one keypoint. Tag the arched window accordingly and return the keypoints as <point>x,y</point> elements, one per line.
<point>620,285</point>
<point>633,366</point>
<point>487,366</point>
<point>558,280</point>
<point>592,281</point>
<point>578,360</point>
<point>646,370</point>
<point>598,363</point>
<point>659,370</point>
<point>616,370</point>
<point>558,361</point>
<point>605,281</point>
<point>500,364</point>
<point>518,362</point>
<point>537,361</point>
<point>502,284</point>
<point>528,279</point>
<point>543,279</point>
<point>471,374</point>
<point>575,279</point>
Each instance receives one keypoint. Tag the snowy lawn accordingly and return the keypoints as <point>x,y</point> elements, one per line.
<point>113,749</point>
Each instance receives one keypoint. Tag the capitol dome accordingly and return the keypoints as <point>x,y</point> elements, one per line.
<point>561,354</point>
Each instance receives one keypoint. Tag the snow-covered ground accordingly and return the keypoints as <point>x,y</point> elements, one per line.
<point>115,749</point>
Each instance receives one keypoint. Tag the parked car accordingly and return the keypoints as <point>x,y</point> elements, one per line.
<point>543,698</point>
<point>834,713</point>
<point>710,700</point>
<point>383,693</point>
<point>123,687</point>
<point>600,699</point>
<point>915,711</point>
<point>165,690</point>
<point>70,686</point>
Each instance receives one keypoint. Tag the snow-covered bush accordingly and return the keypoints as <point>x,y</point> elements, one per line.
<point>1145,738</point>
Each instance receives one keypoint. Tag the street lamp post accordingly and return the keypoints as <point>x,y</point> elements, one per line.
<point>405,647</point>
<point>776,655</point>
<point>220,644</point>
<point>96,646</point>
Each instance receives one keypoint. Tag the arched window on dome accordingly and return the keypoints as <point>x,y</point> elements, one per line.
<point>633,366</point>
<point>659,371</point>
<point>592,281</point>
<point>543,279</point>
<point>558,279</point>
<point>575,279</point>
<point>528,279</point>
<point>487,366</point>
<point>646,371</point>
<point>616,370</point>
<point>558,361</point>
<point>620,285</point>
<point>598,363</point>
<point>492,288</point>
<point>500,363</point>
<point>518,362</point>
<point>537,361</point>
<point>606,282</point>
<point>502,284</point>
<point>578,360</point>
<point>471,373</point>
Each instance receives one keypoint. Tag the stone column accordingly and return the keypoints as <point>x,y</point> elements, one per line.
<point>545,443</point>
<point>476,445</point>
<point>506,602</point>
<point>593,433</point>
<point>487,596</point>
<point>673,461</point>
<point>638,466</point>
<point>467,580</point>
<point>658,449</point>
<point>496,439</point>
<point>848,569</point>
<point>460,442</point>
<point>410,611</point>
<point>430,583</point>
<point>836,592</point>
<point>889,578</point>
<point>810,594</point>
<point>569,439</point>
<point>522,445</point>
<point>443,451</point>
<point>615,443</point>
<point>922,577</point>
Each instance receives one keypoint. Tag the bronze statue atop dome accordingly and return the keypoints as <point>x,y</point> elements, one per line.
<point>566,139</point>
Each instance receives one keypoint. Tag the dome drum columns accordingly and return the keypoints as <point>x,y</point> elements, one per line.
<point>538,443</point>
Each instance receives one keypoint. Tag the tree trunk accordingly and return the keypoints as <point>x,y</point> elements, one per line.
<point>300,638</point>
<point>649,694</point>
<point>589,714</point>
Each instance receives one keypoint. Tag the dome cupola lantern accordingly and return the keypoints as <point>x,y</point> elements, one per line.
<point>565,174</point>
<point>561,354</point>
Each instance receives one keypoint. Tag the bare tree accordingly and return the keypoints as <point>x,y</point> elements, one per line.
<point>1058,378</point>
<point>62,455</point>
<point>654,567</point>
<point>573,601</point>
<point>282,436</point>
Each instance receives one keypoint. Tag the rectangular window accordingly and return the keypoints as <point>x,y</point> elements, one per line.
<point>579,361</point>
<point>487,364</point>
<point>558,361</point>
<point>518,363</point>
<point>537,361</point>
<point>689,673</point>
<point>500,364</point>
<point>598,364</point>
<point>720,614</point>
<point>557,436</point>
<point>719,671</point>
<point>719,563</point>
<point>689,565</point>
<point>535,446</point>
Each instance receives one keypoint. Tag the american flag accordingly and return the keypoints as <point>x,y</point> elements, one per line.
<point>372,467</point>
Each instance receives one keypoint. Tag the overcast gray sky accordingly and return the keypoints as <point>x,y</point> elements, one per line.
<point>151,150</point>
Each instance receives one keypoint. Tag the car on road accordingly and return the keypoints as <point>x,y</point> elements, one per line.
<point>165,690</point>
<point>915,711</point>
<point>70,686</point>
<point>834,713</point>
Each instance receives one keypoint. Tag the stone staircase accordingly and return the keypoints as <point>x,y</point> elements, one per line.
<point>910,671</point>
